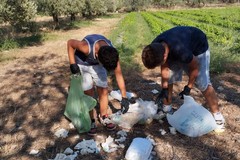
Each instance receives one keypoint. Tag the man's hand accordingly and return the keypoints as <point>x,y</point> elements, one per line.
<point>74,68</point>
<point>163,94</point>
<point>186,91</point>
<point>124,105</point>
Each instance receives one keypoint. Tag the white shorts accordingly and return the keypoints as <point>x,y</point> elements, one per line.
<point>203,78</point>
<point>93,74</point>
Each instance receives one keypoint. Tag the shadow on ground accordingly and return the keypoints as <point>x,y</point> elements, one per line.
<point>33,99</point>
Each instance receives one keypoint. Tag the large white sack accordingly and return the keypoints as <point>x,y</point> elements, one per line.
<point>192,119</point>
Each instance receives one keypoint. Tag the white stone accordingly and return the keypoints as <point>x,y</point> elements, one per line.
<point>154,91</point>
<point>61,133</point>
<point>34,152</point>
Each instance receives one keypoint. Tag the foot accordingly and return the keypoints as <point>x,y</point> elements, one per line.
<point>93,129</point>
<point>107,122</point>
<point>220,121</point>
<point>220,126</point>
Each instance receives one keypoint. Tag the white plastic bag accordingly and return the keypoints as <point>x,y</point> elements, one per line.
<point>117,95</point>
<point>129,119</point>
<point>140,149</point>
<point>149,109</point>
<point>140,112</point>
<point>192,119</point>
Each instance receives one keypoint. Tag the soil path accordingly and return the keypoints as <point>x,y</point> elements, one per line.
<point>33,92</point>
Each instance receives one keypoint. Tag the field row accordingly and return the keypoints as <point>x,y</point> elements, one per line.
<point>140,28</point>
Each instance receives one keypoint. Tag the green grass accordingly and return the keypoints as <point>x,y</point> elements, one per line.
<point>129,38</point>
<point>6,57</point>
<point>222,59</point>
<point>131,30</point>
<point>76,24</point>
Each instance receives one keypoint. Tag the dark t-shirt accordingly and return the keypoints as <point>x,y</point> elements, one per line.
<point>183,43</point>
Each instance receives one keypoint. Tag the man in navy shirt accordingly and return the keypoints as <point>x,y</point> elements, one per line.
<point>179,49</point>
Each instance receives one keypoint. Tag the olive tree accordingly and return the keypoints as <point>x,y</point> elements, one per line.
<point>74,7</point>
<point>18,13</point>
<point>94,8</point>
<point>52,8</point>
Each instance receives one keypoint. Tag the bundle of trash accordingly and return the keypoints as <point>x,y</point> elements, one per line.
<point>141,112</point>
<point>192,119</point>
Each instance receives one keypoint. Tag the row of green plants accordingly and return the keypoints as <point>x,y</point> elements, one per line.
<point>130,36</point>
<point>210,18</point>
<point>215,33</point>
<point>224,42</point>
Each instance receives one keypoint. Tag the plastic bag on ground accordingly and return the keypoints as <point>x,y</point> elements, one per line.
<point>139,112</point>
<point>117,95</point>
<point>139,149</point>
<point>149,110</point>
<point>192,119</point>
<point>78,105</point>
<point>127,120</point>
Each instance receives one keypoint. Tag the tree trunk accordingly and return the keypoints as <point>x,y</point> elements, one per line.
<point>73,17</point>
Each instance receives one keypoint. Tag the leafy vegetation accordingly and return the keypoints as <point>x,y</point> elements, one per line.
<point>223,39</point>
<point>137,29</point>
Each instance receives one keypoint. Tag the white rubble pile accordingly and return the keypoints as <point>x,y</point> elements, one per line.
<point>109,145</point>
<point>87,146</point>
<point>61,156</point>
<point>162,131</point>
<point>123,136</point>
<point>91,146</point>
<point>154,91</point>
<point>84,147</point>
<point>61,133</point>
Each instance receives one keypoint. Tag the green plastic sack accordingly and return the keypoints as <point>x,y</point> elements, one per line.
<point>78,105</point>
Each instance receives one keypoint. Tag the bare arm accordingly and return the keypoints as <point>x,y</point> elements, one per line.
<point>193,71</point>
<point>120,80</point>
<point>165,75</point>
<point>75,44</point>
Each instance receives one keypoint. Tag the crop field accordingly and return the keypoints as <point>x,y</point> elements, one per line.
<point>221,25</point>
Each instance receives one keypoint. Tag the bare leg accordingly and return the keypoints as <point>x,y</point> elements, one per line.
<point>103,100</point>
<point>90,92</point>
<point>170,91</point>
<point>211,99</point>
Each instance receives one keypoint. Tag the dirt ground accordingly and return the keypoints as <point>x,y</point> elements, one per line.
<point>33,93</point>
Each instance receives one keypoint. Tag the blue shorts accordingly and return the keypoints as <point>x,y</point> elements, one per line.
<point>203,78</point>
<point>93,74</point>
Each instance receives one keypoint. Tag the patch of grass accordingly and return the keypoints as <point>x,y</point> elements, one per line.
<point>76,24</point>
<point>221,58</point>
<point>19,42</point>
<point>129,38</point>
<point>6,57</point>
<point>8,44</point>
<point>113,15</point>
<point>30,40</point>
<point>49,36</point>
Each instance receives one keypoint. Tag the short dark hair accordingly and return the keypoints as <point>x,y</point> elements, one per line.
<point>152,55</point>
<point>109,57</point>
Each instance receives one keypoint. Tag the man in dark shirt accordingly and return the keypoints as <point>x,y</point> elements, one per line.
<point>179,49</point>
